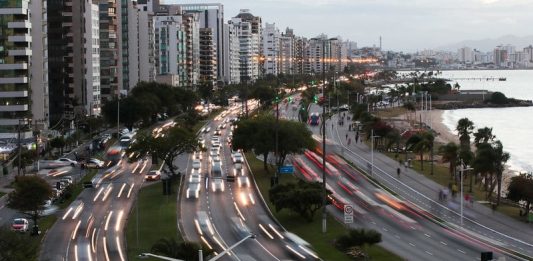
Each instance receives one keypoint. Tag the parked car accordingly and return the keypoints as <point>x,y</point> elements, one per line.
<point>20,225</point>
<point>153,175</point>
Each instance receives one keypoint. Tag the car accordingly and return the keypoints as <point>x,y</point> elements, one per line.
<point>217,184</point>
<point>207,129</point>
<point>193,191</point>
<point>217,133</point>
<point>20,225</point>
<point>196,164</point>
<point>195,178</point>
<point>201,141</point>
<point>243,181</point>
<point>223,126</point>
<point>67,160</point>
<point>197,155</point>
<point>213,153</point>
<point>67,180</point>
<point>153,175</point>
<point>237,157</point>
<point>94,164</point>
<point>215,144</point>
<point>216,160</point>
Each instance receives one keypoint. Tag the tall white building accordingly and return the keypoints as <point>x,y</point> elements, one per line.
<point>465,55</point>
<point>231,54</point>
<point>211,16</point>
<point>271,49</point>
<point>17,86</point>
<point>39,65</point>
<point>249,33</point>
<point>92,103</point>
<point>141,60</point>
<point>170,47</point>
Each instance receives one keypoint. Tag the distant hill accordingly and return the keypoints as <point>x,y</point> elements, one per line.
<point>486,45</point>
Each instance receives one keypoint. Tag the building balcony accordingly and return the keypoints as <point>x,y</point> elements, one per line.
<point>14,11</point>
<point>19,38</point>
<point>9,122</point>
<point>69,14</point>
<point>14,94</point>
<point>20,52</point>
<point>22,79</point>
<point>20,24</point>
<point>6,108</point>
<point>14,66</point>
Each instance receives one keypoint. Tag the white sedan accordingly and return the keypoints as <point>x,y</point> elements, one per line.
<point>196,164</point>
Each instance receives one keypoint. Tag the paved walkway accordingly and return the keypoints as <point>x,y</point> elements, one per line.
<point>415,187</point>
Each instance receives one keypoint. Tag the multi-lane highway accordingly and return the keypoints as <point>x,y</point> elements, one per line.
<point>221,218</point>
<point>91,228</point>
<point>437,234</point>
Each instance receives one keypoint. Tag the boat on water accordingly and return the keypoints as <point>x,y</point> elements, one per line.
<point>502,79</point>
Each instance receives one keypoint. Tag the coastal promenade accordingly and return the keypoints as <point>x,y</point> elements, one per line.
<point>479,221</point>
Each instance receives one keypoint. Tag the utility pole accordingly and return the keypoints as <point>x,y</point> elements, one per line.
<point>20,150</point>
<point>324,202</point>
<point>276,156</point>
<point>118,117</point>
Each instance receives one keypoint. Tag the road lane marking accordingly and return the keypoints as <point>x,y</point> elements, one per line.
<point>426,235</point>
<point>461,251</point>
<point>443,243</point>
<point>429,253</point>
<point>411,244</point>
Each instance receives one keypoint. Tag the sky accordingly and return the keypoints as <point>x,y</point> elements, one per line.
<point>404,25</point>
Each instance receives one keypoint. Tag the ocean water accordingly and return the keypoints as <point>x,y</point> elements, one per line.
<point>512,126</point>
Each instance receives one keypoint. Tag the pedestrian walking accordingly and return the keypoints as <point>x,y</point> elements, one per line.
<point>346,135</point>
<point>350,127</point>
<point>357,137</point>
<point>406,164</point>
<point>349,141</point>
<point>398,172</point>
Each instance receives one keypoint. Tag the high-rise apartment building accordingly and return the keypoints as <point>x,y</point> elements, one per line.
<point>465,55</point>
<point>271,49</point>
<point>208,60</point>
<point>287,52</point>
<point>231,54</point>
<point>318,55</point>
<point>211,16</point>
<point>171,47</point>
<point>39,64</point>
<point>141,54</point>
<point>17,86</point>
<point>110,71</point>
<point>249,33</point>
<point>74,60</point>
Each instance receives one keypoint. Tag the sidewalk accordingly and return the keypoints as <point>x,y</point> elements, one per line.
<point>423,192</point>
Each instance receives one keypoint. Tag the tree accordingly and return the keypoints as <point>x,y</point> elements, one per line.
<point>450,153</point>
<point>58,143</point>
<point>498,98</point>
<point>29,196</point>
<point>521,189</point>
<point>26,159</point>
<point>15,246</point>
<point>302,197</point>
<point>167,147</point>
<point>185,250</point>
<point>490,160</point>
<point>421,143</point>
<point>293,138</point>
<point>483,135</point>
<point>464,128</point>
<point>357,238</point>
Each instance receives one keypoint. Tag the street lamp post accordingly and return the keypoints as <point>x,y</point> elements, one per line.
<point>461,183</point>
<point>324,202</point>
<point>20,145</point>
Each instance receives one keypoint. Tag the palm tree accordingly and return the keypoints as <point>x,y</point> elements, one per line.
<point>483,135</point>
<point>185,250</point>
<point>421,143</point>
<point>450,153</point>
<point>485,163</point>
<point>501,158</point>
<point>464,128</point>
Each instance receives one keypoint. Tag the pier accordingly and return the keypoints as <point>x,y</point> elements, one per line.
<point>479,79</point>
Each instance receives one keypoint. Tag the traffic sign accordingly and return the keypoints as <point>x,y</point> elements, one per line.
<point>289,169</point>
<point>348,214</point>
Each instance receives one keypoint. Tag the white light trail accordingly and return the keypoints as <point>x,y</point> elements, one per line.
<point>121,190</point>
<point>119,219</point>
<point>265,231</point>
<point>107,220</point>
<point>75,231</point>
<point>119,247</point>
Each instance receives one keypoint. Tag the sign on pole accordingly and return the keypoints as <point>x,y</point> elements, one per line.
<point>348,214</point>
<point>288,169</point>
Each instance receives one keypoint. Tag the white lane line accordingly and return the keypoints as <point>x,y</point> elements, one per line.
<point>384,229</point>
<point>461,251</point>
<point>429,253</point>
<point>411,244</point>
<point>427,235</point>
<point>398,237</point>
<point>444,243</point>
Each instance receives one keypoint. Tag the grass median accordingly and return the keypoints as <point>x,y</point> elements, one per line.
<point>310,231</point>
<point>154,216</point>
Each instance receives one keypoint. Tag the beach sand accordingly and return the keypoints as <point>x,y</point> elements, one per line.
<point>445,135</point>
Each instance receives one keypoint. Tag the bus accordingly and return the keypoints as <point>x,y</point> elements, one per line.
<point>314,119</point>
